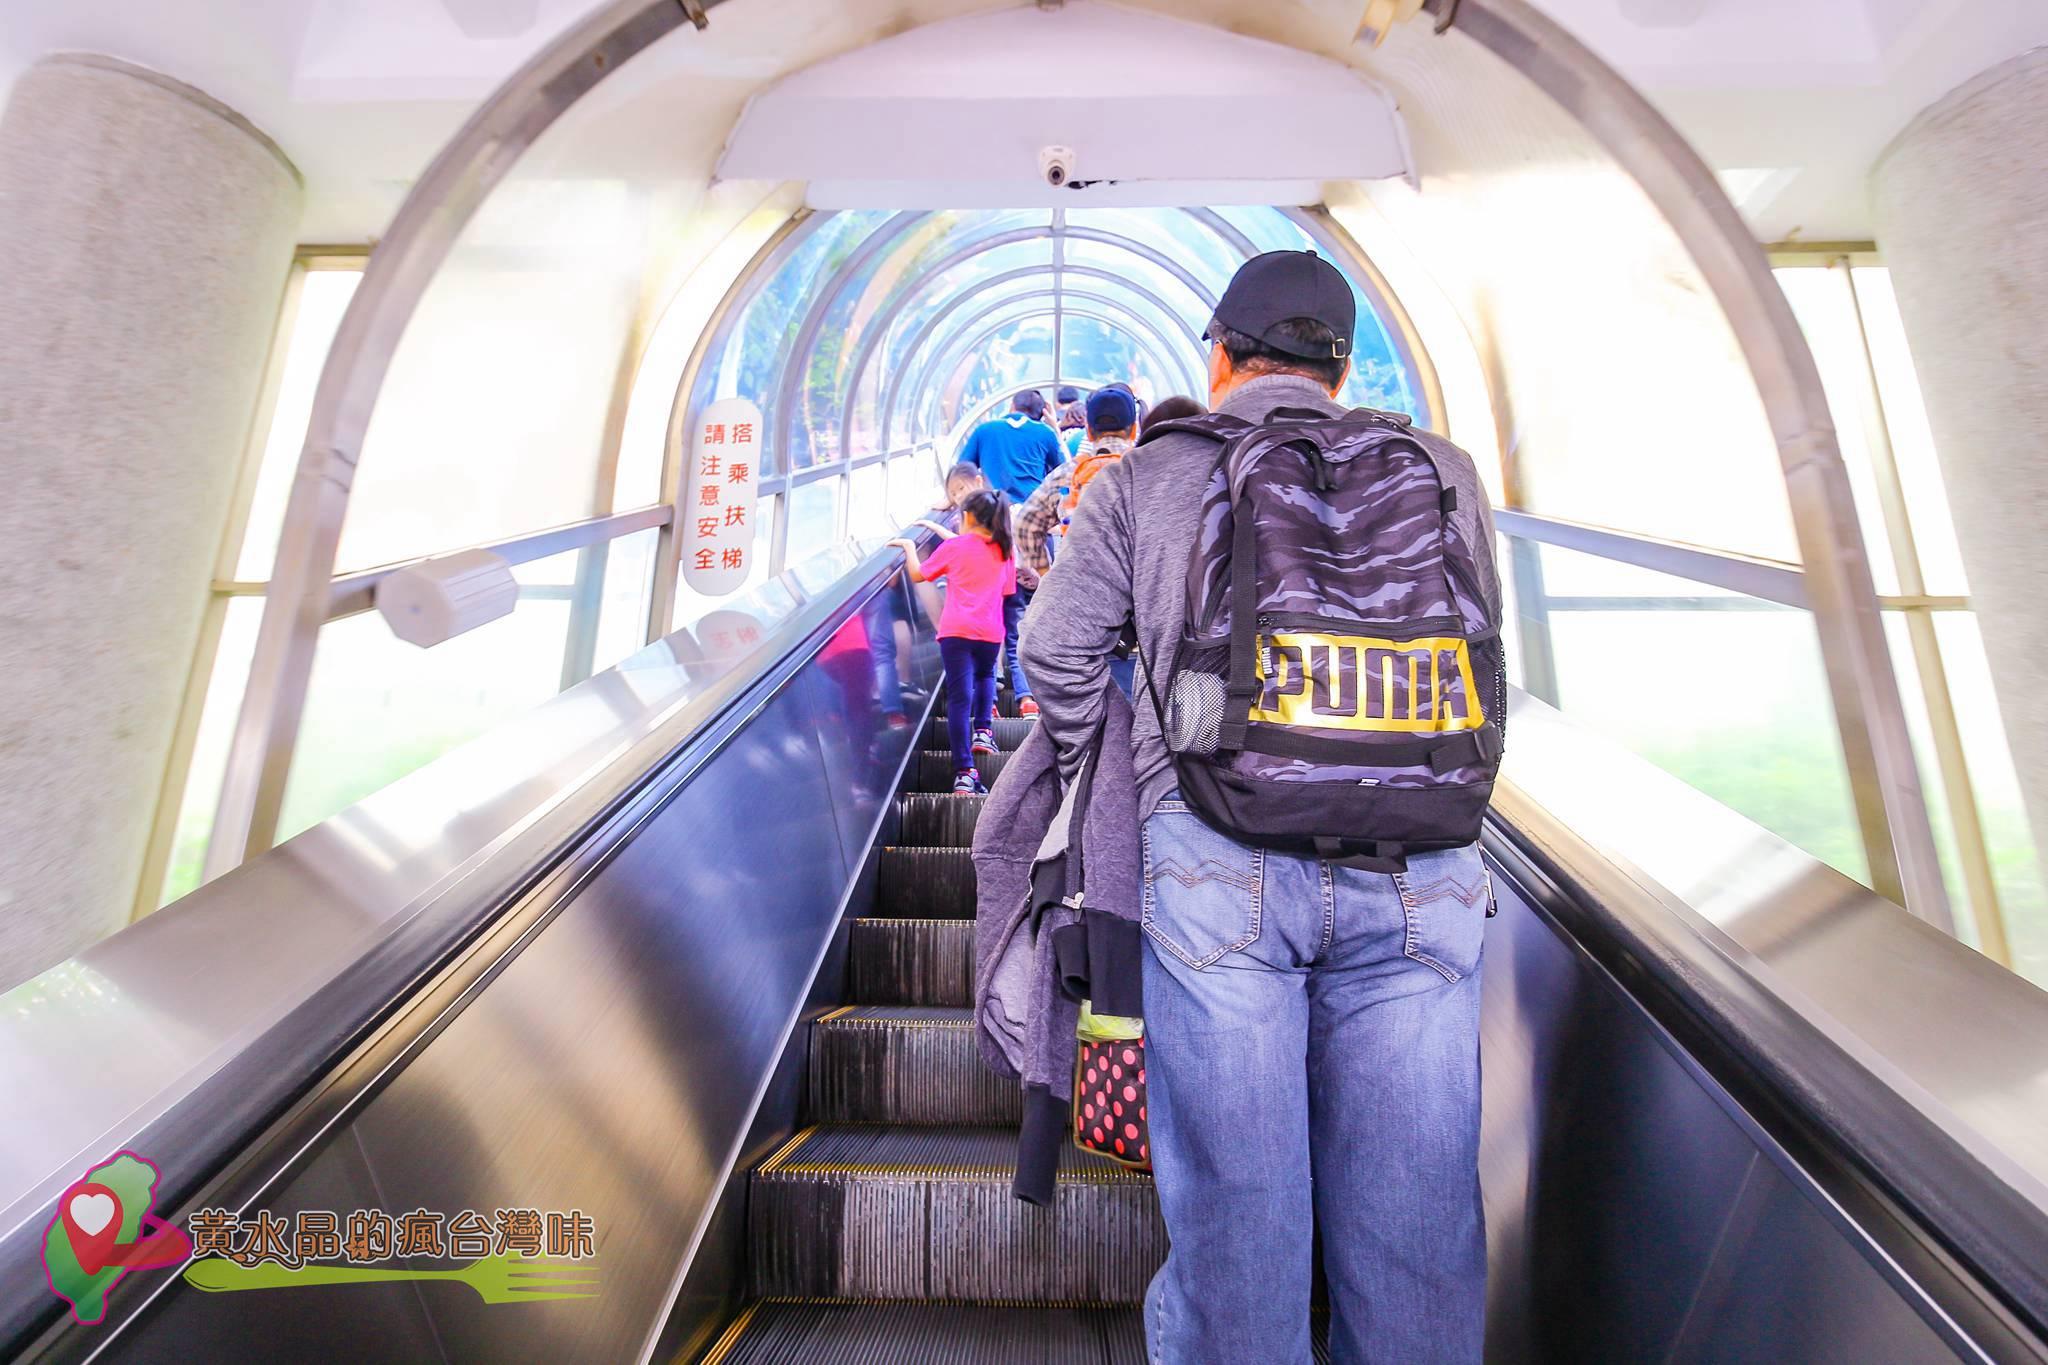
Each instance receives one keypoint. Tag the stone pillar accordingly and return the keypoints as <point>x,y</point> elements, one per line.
<point>146,233</point>
<point>1962,217</point>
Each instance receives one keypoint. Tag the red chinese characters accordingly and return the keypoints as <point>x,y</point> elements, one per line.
<point>716,526</point>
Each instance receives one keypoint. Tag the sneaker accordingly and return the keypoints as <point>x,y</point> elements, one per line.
<point>984,742</point>
<point>896,720</point>
<point>968,784</point>
<point>1027,707</point>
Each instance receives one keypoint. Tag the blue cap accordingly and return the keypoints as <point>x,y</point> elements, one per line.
<point>1111,410</point>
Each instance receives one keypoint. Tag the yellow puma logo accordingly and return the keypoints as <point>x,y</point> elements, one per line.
<point>1353,682</point>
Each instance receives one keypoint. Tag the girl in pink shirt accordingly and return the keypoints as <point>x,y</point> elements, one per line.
<point>980,572</point>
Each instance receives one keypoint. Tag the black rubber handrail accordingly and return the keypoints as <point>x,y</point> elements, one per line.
<point>1974,1245</point>
<point>241,1129</point>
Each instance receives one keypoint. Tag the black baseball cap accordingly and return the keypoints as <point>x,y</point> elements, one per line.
<point>1282,285</point>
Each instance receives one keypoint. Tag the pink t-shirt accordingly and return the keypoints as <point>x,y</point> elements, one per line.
<point>979,578</point>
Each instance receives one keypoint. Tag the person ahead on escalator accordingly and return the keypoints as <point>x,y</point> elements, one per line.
<point>1312,1026</point>
<point>1017,450</point>
<point>983,574</point>
<point>1072,418</point>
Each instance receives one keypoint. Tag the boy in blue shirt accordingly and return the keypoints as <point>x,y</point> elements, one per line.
<point>1017,450</point>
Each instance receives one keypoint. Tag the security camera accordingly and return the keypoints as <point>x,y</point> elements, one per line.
<point>1056,164</point>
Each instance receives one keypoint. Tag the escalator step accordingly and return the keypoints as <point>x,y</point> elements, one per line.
<point>920,1333</point>
<point>935,769</point>
<point>926,1214</point>
<point>938,819</point>
<point>905,1065</point>
<point>1011,732</point>
<point>925,883</point>
<point>911,962</point>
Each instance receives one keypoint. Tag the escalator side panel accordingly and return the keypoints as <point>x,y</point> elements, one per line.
<point>612,1067</point>
<point>1634,1212</point>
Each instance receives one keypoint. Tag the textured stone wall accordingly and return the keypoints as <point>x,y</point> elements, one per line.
<point>146,233</point>
<point>1962,213</point>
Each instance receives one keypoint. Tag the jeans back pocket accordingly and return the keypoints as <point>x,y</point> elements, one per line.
<point>1445,896</point>
<point>1202,889</point>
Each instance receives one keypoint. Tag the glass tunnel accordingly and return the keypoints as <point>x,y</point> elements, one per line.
<point>1759,850</point>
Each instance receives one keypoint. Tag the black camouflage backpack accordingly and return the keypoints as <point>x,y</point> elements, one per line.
<point>1340,687</point>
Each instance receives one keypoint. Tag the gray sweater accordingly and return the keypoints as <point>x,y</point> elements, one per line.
<point>1151,498</point>
<point>1056,922</point>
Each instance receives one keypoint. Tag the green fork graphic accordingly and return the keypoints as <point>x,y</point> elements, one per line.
<point>497,1279</point>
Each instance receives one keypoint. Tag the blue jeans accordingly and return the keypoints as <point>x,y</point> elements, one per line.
<point>1014,607</point>
<point>970,694</point>
<point>1312,1038</point>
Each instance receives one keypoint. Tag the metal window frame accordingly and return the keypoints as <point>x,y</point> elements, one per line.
<point>1915,606</point>
<point>1326,232</point>
<point>953,347</point>
<point>914,348</point>
<point>1869,712</point>
<point>1870,717</point>
<point>770,257</point>
<point>935,392</point>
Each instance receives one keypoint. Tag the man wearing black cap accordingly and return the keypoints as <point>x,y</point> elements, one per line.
<point>1313,1051</point>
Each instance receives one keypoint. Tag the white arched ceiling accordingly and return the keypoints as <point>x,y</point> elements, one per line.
<point>1791,101</point>
<point>954,115</point>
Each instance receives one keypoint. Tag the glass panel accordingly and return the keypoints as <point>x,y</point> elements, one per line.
<point>1173,233</point>
<point>1725,692</point>
<point>692,606</point>
<point>1179,336</point>
<point>378,708</point>
<point>2015,862</point>
<point>1103,352</point>
<point>971,333</point>
<point>1268,228</point>
<point>1002,364</point>
<point>867,509</point>
<point>1826,311</point>
<point>813,520</point>
<point>914,486</point>
<point>967,328</point>
<point>1940,809</point>
<point>815,431</point>
<point>1905,412</point>
<point>753,357</point>
<point>492,418</point>
<point>816,573</point>
<point>210,746</point>
<point>628,595</point>
<point>1154,277</point>
<point>323,297</point>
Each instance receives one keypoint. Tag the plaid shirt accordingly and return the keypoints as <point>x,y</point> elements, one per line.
<point>1041,514</point>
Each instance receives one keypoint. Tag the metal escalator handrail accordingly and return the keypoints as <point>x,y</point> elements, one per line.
<point>1902,1071</point>
<point>192,1032</point>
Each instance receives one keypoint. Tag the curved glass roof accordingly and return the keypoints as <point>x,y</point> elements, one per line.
<point>868,331</point>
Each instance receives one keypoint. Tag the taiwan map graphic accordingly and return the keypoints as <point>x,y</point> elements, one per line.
<point>105,1228</point>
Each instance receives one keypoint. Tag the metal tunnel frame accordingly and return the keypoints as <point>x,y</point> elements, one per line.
<point>1836,574</point>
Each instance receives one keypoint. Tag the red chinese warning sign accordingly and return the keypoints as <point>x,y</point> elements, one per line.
<point>719,492</point>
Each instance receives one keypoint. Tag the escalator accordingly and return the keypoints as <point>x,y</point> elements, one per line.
<point>885,1230</point>
<point>687,952</point>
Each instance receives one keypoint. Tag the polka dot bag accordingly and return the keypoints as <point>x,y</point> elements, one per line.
<point>1109,1090</point>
